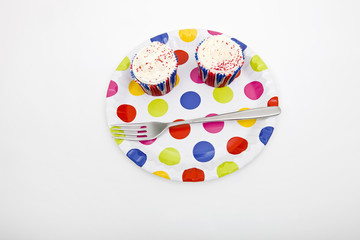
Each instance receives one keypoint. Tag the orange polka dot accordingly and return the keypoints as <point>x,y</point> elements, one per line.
<point>126,113</point>
<point>182,56</point>
<point>181,131</point>
<point>236,145</point>
<point>193,175</point>
<point>274,101</point>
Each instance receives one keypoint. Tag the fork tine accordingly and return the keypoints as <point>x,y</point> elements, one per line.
<point>133,138</point>
<point>130,125</point>
<point>128,134</point>
<point>128,130</point>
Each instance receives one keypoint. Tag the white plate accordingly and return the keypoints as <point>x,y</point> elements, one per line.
<point>198,152</point>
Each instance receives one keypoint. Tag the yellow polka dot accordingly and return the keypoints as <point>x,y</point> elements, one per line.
<point>170,156</point>
<point>116,130</point>
<point>157,107</point>
<point>247,122</point>
<point>125,63</point>
<point>223,95</point>
<point>162,174</point>
<point>135,89</point>
<point>226,168</point>
<point>257,64</point>
<point>188,35</point>
<point>177,80</point>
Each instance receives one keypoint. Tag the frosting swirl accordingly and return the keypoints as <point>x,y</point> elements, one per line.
<point>154,63</point>
<point>220,54</point>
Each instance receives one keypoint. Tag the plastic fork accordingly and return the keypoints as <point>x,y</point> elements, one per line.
<point>150,130</point>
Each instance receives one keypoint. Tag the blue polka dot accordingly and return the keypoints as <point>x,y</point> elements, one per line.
<point>137,156</point>
<point>265,134</point>
<point>190,100</point>
<point>163,38</point>
<point>203,151</point>
<point>242,45</point>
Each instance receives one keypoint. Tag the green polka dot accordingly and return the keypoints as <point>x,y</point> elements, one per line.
<point>223,95</point>
<point>157,107</point>
<point>125,63</point>
<point>257,64</point>
<point>116,130</point>
<point>169,156</point>
<point>226,168</point>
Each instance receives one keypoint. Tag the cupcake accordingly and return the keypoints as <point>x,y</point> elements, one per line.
<point>219,60</point>
<point>154,69</point>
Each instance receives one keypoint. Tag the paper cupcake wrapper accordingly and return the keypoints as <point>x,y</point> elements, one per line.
<point>158,89</point>
<point>214,79</point>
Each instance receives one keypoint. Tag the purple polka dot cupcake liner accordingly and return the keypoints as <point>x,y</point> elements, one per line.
<point>214,79</point>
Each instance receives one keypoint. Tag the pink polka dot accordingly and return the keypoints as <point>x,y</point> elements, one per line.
<point>213,127</point>
<point>214,33</point>
<point>254,90</point>
<point>148,142</point>
<point>112,90</point>
<point>195,76</point>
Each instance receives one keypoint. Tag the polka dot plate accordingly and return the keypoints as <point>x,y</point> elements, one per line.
<point>197,152</point>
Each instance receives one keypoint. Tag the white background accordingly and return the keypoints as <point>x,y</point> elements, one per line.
<point>63,177</point>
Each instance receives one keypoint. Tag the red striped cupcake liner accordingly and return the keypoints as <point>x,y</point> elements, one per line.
<point>214,79</point>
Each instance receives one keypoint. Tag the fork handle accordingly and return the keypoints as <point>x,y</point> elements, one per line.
<point>239,115</point>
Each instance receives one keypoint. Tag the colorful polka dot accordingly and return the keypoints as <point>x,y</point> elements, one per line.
<point>193,175</point>
<point>170,156</point>
<point>203,151</point>
<point>254,90</point>
<point>223,95</point>
<point>163,38</point>
<point>265,134</point>
<point>188,35</point>
<point>158,107</point>
<point>247,122</point>
<point>177,80</point>
<point>274,101</point>
<point>125,64</point>
<point>213,127</point>
<point>242,45</point>
<point>126,112</point>
<point>236,145</point>
<point>226,168</point>
<point>214,32</point>
<point>116,130</point>
<point>148,142</point>
<point>112,89</point>
<point>182,56</point>
<point>190,100</point>
<point>137,156</point>
<point>135,89</point>
<point>257,64</point>
<point>195,76</point>
<point>162,174</point>
<point>181,131</point>
<point>215,151</point>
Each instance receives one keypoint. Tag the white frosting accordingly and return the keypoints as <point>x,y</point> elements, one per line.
<point>220,54</point>
<point>154,63</point>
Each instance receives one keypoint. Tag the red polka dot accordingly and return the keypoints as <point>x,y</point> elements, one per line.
<point>180,132</point>
<point>126,112</point>
<point>236,145</point>
<point>182,56</point>
<point>274,101</point>
<point>193,175</point>
<point>238,74</point>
